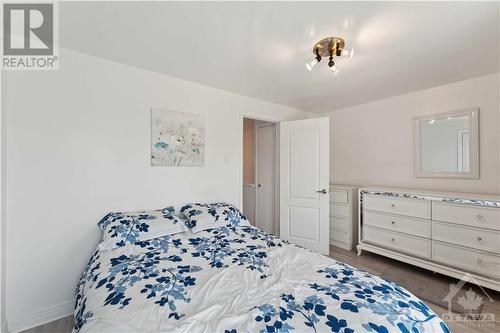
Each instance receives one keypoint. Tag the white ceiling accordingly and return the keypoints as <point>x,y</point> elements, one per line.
<point>259,49</point>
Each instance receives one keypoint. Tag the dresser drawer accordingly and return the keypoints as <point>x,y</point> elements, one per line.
<point>340,223</point>
<point>339,196</point>
<point>487,240</point>
<point>412,226</point>
<point>473,260</point>
<point>413,245</point>
<point>485,217</point>
<point>408,207</point>
<point>339,210</point>
<point>340,236</point>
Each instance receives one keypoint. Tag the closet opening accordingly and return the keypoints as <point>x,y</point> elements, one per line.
<point>260,174</point>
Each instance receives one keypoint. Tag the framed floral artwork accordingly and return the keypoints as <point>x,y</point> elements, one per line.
<point>177,138</point>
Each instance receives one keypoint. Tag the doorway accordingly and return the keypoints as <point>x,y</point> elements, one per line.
<point>260,174</point>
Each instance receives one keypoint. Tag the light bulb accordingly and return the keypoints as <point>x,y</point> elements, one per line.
<point>334,69</point>
<point>311,64</point>
<point>347,53</point>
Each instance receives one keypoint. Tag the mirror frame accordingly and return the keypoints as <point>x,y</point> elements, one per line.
<point>473,114</point>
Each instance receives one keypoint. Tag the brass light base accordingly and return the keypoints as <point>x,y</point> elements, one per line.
<point>329,46</point>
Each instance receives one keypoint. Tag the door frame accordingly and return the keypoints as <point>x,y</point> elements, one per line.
<point>276,169</point>
<point>460,149</point>
<point>257,116</point>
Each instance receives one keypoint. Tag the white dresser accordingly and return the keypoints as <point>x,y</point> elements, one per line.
<point>449,233</point>
<point>343,216</point>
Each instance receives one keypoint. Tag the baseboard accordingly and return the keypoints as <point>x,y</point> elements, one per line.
<point>40,317</point>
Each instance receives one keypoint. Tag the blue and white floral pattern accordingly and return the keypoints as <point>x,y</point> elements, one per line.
<point>206,216</point>
<point>222,251</point>
<point>120,229</point>
<point>238,279</point>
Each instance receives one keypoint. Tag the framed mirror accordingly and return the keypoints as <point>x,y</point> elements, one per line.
<point>446,145</point>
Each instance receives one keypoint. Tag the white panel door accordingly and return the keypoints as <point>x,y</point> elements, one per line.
<point>265,160</point>
<point>304,183</point>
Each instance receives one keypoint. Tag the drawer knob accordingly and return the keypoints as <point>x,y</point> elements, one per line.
<point>392,239</point>
<point>393,205</point>
<point>479,261</point>
<point>393,222</point>
<point>480,217</point>
<point>479,239</point>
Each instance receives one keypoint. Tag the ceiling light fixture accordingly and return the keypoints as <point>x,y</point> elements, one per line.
<point>330,47</point>
<point>313,63</point>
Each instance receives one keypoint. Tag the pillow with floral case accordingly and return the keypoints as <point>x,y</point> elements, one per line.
<point>213,215</point>
<point>120,229</point>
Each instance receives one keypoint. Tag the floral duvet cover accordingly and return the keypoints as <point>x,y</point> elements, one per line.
<point>238,279</point>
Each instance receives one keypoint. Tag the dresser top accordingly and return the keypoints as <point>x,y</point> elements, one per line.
<point>451,197</point>
<point>344,187</point>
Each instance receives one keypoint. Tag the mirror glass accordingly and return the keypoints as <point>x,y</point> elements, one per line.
<point>447,145</point>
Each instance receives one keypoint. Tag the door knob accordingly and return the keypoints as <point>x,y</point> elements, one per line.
<point>323,191</point>
<point>259,185</point>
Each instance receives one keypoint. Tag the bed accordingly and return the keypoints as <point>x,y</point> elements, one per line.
<point>237,278</point>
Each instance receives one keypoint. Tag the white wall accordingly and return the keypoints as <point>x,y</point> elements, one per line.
<point>3,321</point>
<point>78,146</point>
<point>372,143</point>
